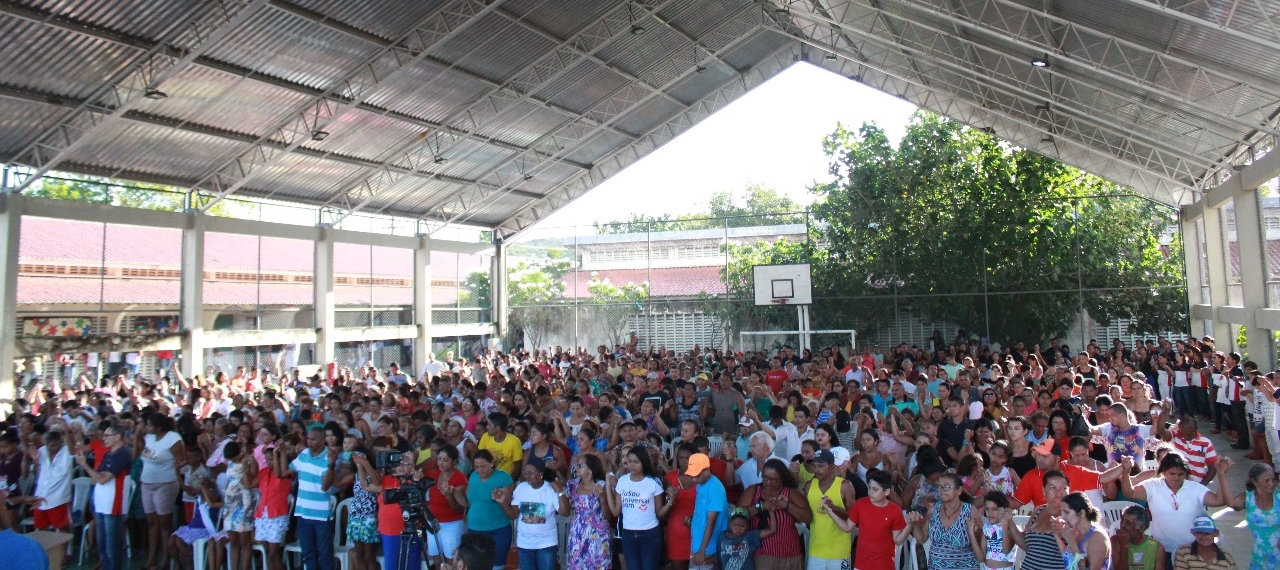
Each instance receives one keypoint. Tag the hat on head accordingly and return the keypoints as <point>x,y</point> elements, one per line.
<point>1047,447</point>
<point>1203,523</point>
<point>840,455</point>
<point>698,463</point>
<point>824,456</point>
<point>459,420</point>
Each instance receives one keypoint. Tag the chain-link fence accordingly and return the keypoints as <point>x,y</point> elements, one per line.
<point>687,283</point>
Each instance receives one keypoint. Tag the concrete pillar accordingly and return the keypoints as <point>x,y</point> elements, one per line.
<point>1253,275</point>
<point>498,291</point>
<point>11,209</point>
<point>1191,261</point>
<point>1215,257</point>
<point>421,304</point>
<point>191,301</point>
<point>322,283</point>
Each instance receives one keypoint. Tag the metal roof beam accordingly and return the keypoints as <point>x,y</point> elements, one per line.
<point>61,22</point>
<point>1012,78</point>
<point>1230,22</point>
<point>147,118</point>
<point>916,85</point>
<point>592,57</point>
<point>576,134</point>
<point>1106,55</point>
<point>355,85</point>
<point>201,28</point>
<point>334,25</point>
<point>675,125</point>
<point>416,153</point>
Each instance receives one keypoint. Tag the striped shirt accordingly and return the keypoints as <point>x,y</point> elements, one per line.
<point>1199,453</point>
<point>313,502</point>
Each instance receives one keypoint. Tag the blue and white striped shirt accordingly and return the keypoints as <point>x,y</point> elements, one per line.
<point>313,502</point>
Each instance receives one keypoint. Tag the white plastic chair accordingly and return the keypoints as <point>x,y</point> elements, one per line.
<point>714,442</point>
<point>1112,511</point>
<point>199,545</point>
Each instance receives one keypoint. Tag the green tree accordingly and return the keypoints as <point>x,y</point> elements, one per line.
<point>953,213</point>
<point>756,206</point>
<point>535,296</point>
<point>95,190</point>
<point>610,306</point>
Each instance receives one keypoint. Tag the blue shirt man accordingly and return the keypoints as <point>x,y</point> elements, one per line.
<point>710,509</point>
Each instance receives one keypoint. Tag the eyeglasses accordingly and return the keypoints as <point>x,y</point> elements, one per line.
<point>946,487</point>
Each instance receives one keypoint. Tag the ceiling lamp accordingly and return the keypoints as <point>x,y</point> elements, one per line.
<point>528,177</point>
<point>441,160</point>
<point>831,57</point>
<point>636,29</point>
<point>1039,62</point>
<point>319,135</point>
<point>154,94</point>
<point>1046,140</point>
<point>700,69</point>
<point>1044,107</point>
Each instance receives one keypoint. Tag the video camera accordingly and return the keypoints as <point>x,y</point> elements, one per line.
<point>387,460</point>
<point>411,497</point>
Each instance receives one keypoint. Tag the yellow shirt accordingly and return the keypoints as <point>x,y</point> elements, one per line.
<point>505,453</point>
<point>826,540</point>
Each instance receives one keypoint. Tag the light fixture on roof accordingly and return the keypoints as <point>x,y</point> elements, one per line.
<point>830,56</point>
<point>154,94</point>
<point>319,135</point>
<point>1044,107</point>
<point>1040,61</point>
<point>528,177</point>
<point>1239,167</point>
<point>636,29</point>
<point>1046,139</point>
<point>700,69</point>
<point>441,159</point>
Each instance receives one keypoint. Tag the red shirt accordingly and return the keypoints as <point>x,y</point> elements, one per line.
<point>876,526</point>
<point>390,520</point>
<point>274,499</point>
<point>1031,489</point>
<point>440,506</point>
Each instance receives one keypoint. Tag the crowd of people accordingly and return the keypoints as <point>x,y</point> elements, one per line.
<point>972,458</point>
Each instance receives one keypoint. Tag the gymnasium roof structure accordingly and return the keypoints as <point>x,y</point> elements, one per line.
<point>495,113</point>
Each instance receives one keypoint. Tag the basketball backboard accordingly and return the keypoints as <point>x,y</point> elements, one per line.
<point>789,284</point>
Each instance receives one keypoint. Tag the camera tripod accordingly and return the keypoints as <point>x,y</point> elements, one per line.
<point>414,528</point>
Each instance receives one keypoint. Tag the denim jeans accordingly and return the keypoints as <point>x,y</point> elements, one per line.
<point>642,549</point>
<point>501,545</point>
<point>391,555</point>
<point>109,530</point>
<point>316,540</point>
<point>538,559</point>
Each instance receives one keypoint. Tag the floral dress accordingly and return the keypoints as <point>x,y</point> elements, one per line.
<point>237,505</point>
<point>588,532</point>
<point>363,526</point>
<point>1265,526</point>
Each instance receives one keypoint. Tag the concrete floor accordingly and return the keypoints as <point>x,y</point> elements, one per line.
<point>1236,537</point>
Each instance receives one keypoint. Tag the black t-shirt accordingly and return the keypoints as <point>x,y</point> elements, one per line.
<point>953,433</point>
<point>1022,465</point>
<point>659,398</point>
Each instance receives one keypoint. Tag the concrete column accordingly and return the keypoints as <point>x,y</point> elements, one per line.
<point>498,291</point>
<point>1253,275</point>
<point>1191,261</point>
<point>421,304</point>
<point>322,283</point>
<point>11,209</point>
<point>191,301</point>
<point>1215,256</point>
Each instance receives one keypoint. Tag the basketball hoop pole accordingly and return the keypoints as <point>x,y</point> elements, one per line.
<point>802,315</point>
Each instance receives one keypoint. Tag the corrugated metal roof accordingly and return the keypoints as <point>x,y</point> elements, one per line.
<point>1164,96</point>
